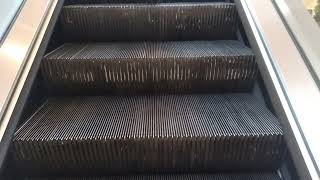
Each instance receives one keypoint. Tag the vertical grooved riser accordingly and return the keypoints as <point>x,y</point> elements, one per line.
<point>138,22</point>
<point>190,66</point>
<point>230,176</point>
<point>189,133</point>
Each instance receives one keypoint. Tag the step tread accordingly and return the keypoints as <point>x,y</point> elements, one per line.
<point>160,21</point>
<point>150,50</point>
<point>150,117</point>
<point>225,176</point>
<point>175,133</point>
<point>151,66</point>
<point>68,2</point>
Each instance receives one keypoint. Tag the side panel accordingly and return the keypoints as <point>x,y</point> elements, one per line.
<point>290,85</point>
<point>20,55</point>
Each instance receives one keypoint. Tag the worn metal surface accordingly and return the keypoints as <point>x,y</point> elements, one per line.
<point>219,176</point>
<point>146,67</point>
<point>138,22</point>
<point>168,133</point>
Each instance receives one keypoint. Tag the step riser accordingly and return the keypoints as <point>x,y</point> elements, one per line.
<point>198,66</point>
<point>151,155</point>
<point>137,22</point>
<point>192,133</point>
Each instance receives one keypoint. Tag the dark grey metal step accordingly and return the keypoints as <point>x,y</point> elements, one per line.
<point>140,67</point>
<point>174,133</point>
<point>68,2</point>
<point>225,176</point>
<point>138,22</point>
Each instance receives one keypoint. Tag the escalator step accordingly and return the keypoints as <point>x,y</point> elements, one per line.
<point>148,67</point>
<point>68,2</point>
<point>225,176</point>
<point>134,134</point>
<point>138,22</point>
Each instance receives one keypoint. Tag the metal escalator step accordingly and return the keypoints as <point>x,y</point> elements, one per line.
<point>225,176</point>
<point>68,2</point>
<point>140,67</point>
<point>134,134</point>
<point>142,22</point>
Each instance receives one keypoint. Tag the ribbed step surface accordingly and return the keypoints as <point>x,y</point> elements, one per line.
<point>175,133</point>
<point>189,66</point>
<point>230,176</point>
<point>164,21</point>
<point>68,2</point>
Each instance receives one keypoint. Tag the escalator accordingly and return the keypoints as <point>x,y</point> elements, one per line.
<point>149,90</point>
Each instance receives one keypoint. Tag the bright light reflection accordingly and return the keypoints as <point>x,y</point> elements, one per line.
<point>13,51</point>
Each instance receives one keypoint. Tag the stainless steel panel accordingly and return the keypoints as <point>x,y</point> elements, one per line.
<point>291,87</point>
<point>18,51</point>
<point>304,30</point>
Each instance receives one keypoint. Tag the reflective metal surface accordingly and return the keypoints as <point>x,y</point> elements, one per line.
<point>304,30</point>
<point>290,85</point>
<point>18,51</point>
<point>8,10</point>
